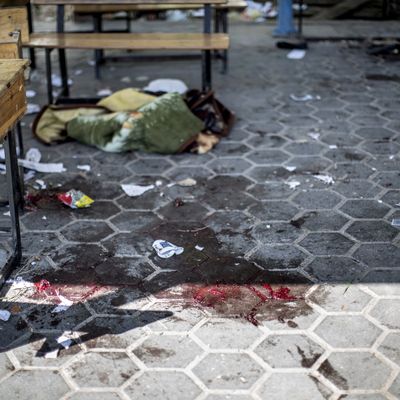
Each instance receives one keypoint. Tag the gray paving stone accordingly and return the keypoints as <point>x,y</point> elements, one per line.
<point>228,371</point>
<point>227,166</point>
<point>150,166</point>
<point>94,396</point>
<point>378,255</point>
<point>390,347</point>
<point>326,243</point>
<point>385,312</point>
<point>357,189</point>
<point>293,386</point>
<point>262,157</point>
<point>320,221</point>
<point>383,282</point>
<point>273,211</point>
<point>395,388</point>
<point>229,220</point>
<point>86,231</point>
<point>275,232</point>
<point>168,385</point>
<point>375,133</point>
<point>362,397</point>
<point>372,231</point>
<point>216,334</point>
<point>93,370</point>
<point>340,298</point>
<point>347,331</point>
<point>317,199</point>
<point>304,148</point>
<point>355,370</point>
<point>123,221</point>
<point>365,209</point>
<point>167,351</point>
<point>5,365</point>
<point>389,180</point>
<point>22,384</point>
<point>289,351</point>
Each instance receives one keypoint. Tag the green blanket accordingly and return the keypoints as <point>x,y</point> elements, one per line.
<point>165,126</point>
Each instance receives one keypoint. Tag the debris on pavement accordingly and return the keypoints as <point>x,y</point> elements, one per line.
<point>86,168</point>
<point>296,54</point>
<point>325,178</point>
<point>187,182</point>
<point>56,81</point>
<point>136,190</point>
<point>206,142</point>
<point>52,354</point>
<point>199,248</point>
<point>64,305</point>
<point>291,168</point>
<point>41,184</point>
<point>5,315</point>
<point>42,167</point>
<point>396,222</point>
<point>32,108</point>
<point>104,92</point>
<point>64,341</point>
<point>167,86</point>
<point>314,135</point>
<point>178,202</point>
<point>30,93</point>
<point>166,249</point>
<point>33,155</point>
<point>306,97</point>
<point>293,184</point>
<point>42,285</point>
<point>75,199</point>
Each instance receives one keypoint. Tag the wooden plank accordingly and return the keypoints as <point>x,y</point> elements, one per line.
<point>98,2</point>
<point>342,8</point>
<point>12,93</point>
<point>130,41</point>
<point>13,3</point>
<point>110,8</point>
<point>13,19</point>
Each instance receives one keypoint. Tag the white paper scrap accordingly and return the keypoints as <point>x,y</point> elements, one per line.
<point>166,249</point>
<point>136,190</point>
<point>314,135</point>
<point>104,92</point>
<point>84,167</point>
<point>32,108</point>
<point>332,146</point>
<point>199,248</point>
<point>293,184</point>
<point>291,168</point>
<point>42,167</point>
<point>325,178</point>
<point>65,341</point>
<point>33,155</point>
<point>396,222</point>
<point>30,93</point>
<point>296,54</point>
<point>52,354</point>
<point>7,214</point>
<point>41,183</point>
<point>63,306</point>
<point>304,98</point>
<point>5,315</point>
<point>187,182</point>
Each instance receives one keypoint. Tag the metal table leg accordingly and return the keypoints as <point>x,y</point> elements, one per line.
<point>13,191</point>
<point>206,57</point>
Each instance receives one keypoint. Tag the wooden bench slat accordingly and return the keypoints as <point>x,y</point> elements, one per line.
<point>130,41</point>
<point>97,2</point>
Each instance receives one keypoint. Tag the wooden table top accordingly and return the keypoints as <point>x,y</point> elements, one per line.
<point>12,93</point>
<point>144,2</point>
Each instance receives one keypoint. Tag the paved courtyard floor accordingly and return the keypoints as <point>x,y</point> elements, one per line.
<point>296,294</point>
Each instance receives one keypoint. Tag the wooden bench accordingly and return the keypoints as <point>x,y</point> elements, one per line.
<point>17,18</point>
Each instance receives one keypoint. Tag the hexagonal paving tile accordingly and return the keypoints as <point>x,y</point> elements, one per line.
<point>367,209</point>
<point>150,166</point>
<point>12,332</point>
<point>5,365</point>
<point>384,282</point>
<point>340,298</point>
<point>34,243</point>
<point>304,148</point>
<point>378,255</point>
<point>228,397</point>
<point>268,173</point>
<point>216,334</point>
<point>386,312</point>
<point>129,244</point>
<point>376,133</point>
<point>355,370</point>
<point>345,154</point>
<point>278,257</point>
<point>320,221</point>
<point>347,331</point>
<point>101,209</point>
<point>271,191</point>
<point>94,396</point>
<point>228,371</point>
<point>22,384</point>
<point>317,199</point>
<point>226,149</point>
<point>229,166</point>
<point>357,188</point>
<point>229,200</point>
<point>326,243</point>
<point>372,231</point>
<point>229,220</point>
<point>189,211</point>
<point>289,351</point>
<point>279,233</point>
<point>87,231</point>
<point>362,397</point>
<point>167,351</point>
<point>47,220</point>
<point>391,197</point>
<point>273,211</point>
<point>395,388</point>
<point>168,385</point>
<point>310,164</point>
<point>336,269</point>
<point>148,201</point>
<point>390,180</point>
<point>32,352</point>
<point>380,147</point>
<point>390,347</point>
<point>93,369</point>
<point>293,386</point>
<point>267,157</point>
<point>135,221</point>
<point>351,170</point>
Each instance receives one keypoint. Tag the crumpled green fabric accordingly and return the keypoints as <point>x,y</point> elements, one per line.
<point>166,126</point>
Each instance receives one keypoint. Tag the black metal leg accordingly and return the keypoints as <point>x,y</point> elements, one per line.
<point>61,52</point>
<point>21,185</point>
<point>32,54</point>
<point>98,54</point>
<point>48,76</point>
<point>12,187</point>
<point>206,56</point>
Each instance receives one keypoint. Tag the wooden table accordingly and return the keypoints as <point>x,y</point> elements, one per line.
<point>12,108</point>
